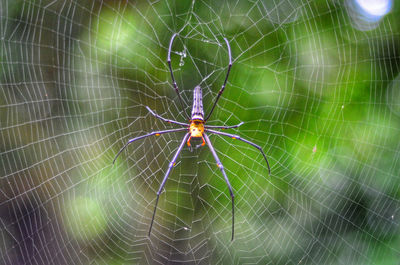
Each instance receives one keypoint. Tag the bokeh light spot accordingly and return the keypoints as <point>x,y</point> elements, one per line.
<point>367,14</point>
<point>377,8</point>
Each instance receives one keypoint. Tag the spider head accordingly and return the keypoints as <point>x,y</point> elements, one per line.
<point>196,130</point>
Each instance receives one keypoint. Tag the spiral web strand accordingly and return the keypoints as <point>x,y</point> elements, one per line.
<point>316,84</point>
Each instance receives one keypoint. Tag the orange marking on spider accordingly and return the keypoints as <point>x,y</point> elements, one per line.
<point>196,130</point>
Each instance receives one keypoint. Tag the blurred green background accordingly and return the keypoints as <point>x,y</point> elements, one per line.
<point>316,83</point>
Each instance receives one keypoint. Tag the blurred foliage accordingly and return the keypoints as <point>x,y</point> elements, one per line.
<point>319,95</point>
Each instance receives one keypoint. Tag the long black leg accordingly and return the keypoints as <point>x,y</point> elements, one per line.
<point>166,120</point>
<point>147,135</point>
<point>226,79</point>
<point>246,141</point>
<point>221,167</point>
<point>170,166</point>
<point>223,127</point>
<point>172,75</point>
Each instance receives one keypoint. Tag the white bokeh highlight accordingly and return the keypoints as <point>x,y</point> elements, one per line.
<point>366,15</point>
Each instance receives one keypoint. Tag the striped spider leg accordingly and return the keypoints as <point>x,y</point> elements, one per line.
<point>243,140</point>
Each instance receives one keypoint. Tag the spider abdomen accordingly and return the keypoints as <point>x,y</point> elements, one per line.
<point>197,110</point>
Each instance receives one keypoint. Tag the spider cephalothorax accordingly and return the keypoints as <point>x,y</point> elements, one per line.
<point>196,129</point>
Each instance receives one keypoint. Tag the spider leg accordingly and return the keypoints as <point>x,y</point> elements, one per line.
<point>223,127</point>
<point>170,166</point>
<point>226,79</point>
<point>164,119</point>
<point>246,141</point>
<point>172,74</point>
<point>146,135</point>
<point>221,167</point>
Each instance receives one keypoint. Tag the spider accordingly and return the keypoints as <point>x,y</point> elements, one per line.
<point>196,129</point>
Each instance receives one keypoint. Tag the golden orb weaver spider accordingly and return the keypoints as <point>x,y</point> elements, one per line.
<point>197,130</point>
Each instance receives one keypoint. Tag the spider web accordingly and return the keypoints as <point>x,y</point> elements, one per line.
<point>316,84</point>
